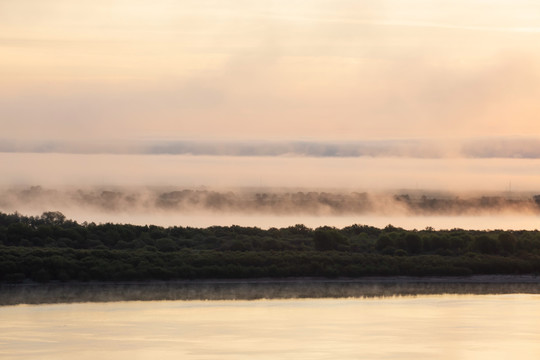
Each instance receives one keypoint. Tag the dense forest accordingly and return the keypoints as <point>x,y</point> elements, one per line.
<point>51,248</point>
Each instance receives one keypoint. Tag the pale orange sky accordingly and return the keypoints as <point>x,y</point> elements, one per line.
<point>269,69</point>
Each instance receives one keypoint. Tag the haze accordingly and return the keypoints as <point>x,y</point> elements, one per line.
<point>259,69</point>
<point>344,95</point>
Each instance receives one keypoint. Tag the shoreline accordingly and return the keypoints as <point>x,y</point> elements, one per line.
<point>491,278</point>
<point>265,288</point>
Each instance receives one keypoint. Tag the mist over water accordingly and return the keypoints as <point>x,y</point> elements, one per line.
<point>274,191</point>
<point>304,288</point>
<point>268,207</point>
<point>269,114</point>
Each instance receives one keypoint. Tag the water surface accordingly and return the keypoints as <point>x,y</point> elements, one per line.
<point>423,327</point>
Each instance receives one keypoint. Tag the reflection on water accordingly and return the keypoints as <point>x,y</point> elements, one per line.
<point>424,327</point>
<point>257,289</point>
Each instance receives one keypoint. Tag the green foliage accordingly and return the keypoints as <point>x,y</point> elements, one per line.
<point>53,217</point>
<point>507,241</point>
<point>329,239</point>
<point>384,242</point>
<point>166,244</point>
<point>51,248</point>
<point>413,243</point>
<point>486,244</point>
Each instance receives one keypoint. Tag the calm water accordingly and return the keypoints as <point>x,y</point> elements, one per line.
<point>424,327</point>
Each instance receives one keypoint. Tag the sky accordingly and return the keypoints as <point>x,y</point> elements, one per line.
<point>363,95</point>
<point>318,70</point>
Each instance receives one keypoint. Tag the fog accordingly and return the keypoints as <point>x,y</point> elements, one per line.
<point>116,109</point>
<point>266,201</point>
<point>369,287</point>
<point>352,174</point>
<point>275,191</point>
<point>275,207</point>
<point>260,69</point>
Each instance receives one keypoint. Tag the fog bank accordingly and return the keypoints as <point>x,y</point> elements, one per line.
<point>266,201</point>
<point>275,207</point>
<point>352,174</point>
<point>274,191</point>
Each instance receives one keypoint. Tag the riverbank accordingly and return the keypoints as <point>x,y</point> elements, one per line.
<point>255,289</point>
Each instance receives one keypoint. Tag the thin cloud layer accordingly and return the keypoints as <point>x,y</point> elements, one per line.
<point>526,148</point>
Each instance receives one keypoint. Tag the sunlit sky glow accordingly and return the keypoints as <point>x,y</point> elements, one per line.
<point>317,69</point>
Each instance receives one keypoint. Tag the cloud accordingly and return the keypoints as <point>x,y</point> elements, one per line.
<point>502,148</point>
<point>471,148</point>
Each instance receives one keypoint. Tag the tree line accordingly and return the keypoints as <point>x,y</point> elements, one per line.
<point>52,248</point>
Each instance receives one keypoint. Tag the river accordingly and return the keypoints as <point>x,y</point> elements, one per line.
<point>396,327</point>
